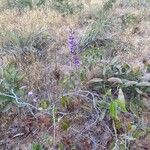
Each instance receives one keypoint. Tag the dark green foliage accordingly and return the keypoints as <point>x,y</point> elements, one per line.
<point>109,4</point>
<point>92,56</point>
<point>21,4</point>
<point>69,82</point>
<point>44,104</point>
<point>65,125</point>
<point>11,80</point>
<point>41,2</point>
<point>129,19</point>
<point>117,106</point>
<point>65,101</point>
<point>36,147</point>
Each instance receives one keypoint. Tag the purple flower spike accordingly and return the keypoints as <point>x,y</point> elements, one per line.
<point>73,47</point>
<point>72,44</point>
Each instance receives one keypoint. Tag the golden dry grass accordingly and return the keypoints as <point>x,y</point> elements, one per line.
<point>33,21</point>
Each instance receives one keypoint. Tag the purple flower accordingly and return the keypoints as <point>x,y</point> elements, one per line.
<point>73,47</point>
<point>72,44</point>
<point>76,61</point>
<point>30,93</point>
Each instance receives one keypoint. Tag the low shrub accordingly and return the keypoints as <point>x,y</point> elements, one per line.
<point>10,87</point>
<point>65,7</point>
<point>21,4</point>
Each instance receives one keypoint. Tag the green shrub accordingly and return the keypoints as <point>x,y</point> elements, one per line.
<point>10,84</point>
<point>129,19</point>
<point>91,56</point>
<point>97,28</point>
<point>21,4</point>
<point>27,48</point>
<point>36,147</point>
<point>65,7</point>
<point>65,125</point>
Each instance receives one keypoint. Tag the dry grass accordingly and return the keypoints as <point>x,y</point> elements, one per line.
<point>34,21</point>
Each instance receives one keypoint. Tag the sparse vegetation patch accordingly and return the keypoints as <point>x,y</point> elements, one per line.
<point>74,75</point>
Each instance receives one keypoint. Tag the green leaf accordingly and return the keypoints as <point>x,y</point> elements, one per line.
<point>7,75</point>
<point>104,71</point>
<point>126,68</point>
<point>4,107</point>
<point>118,124</point>
<point>10,80</point>
<point>36,147</point>
<point>121,96</point>
<point>121,101</point>
<point>65,80</point>
<point>139,133</point>
<point>134,108</point>
<point>121,105</point>
<point>4,98</point>
<point>19,77</point>
<point>44,104</point>
<point>64,101</point>
<point>114,61</point>
<point>82,75</point>
<point>41,2</point>
<point>95,80</point>
<point>130,83</point>
<point>15,38</point>
<point>115,80</point>
<point>65,125</point>
<point>139,91</point>
<point>143,84</point>
<point>113,110</point>
<point>61,146</point>
<point>20,92</point>
<point>10,72</point>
